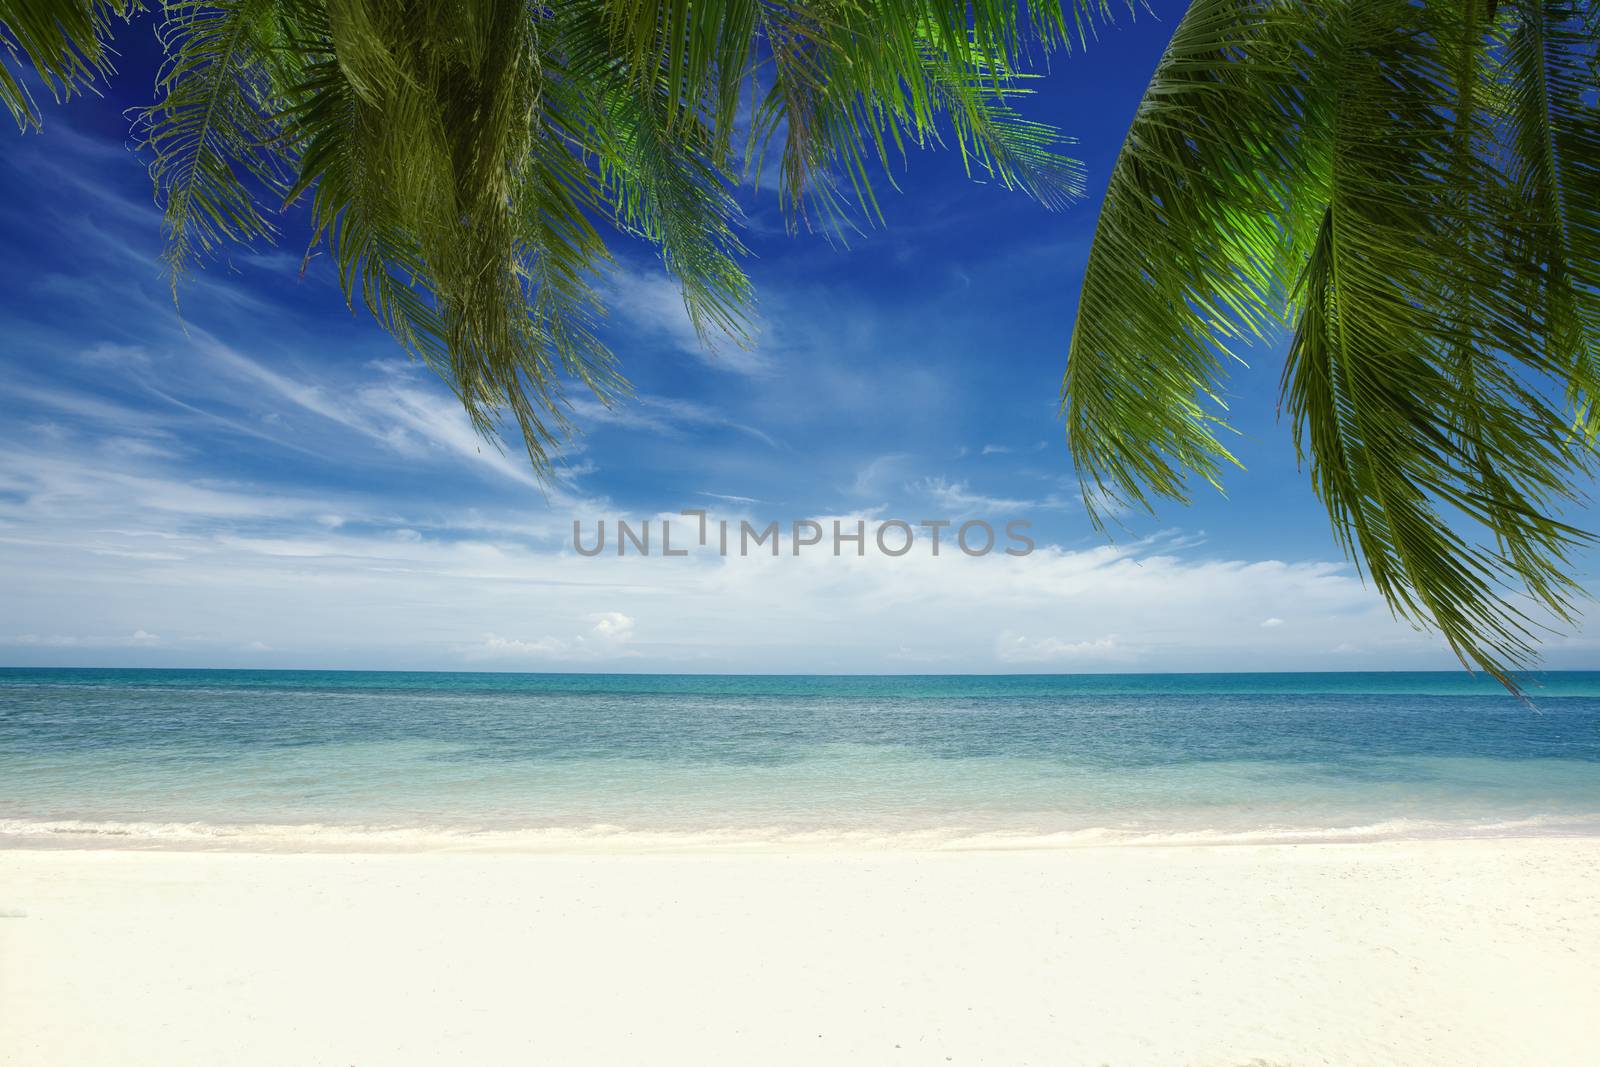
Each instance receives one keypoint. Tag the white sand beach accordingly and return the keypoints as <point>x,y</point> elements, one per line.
<point>1413,953</point>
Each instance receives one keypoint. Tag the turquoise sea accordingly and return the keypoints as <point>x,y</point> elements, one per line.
<point>215,757</point>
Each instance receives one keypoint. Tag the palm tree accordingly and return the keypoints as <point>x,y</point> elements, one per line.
<point>461,157</point>
<point>1410,193</point>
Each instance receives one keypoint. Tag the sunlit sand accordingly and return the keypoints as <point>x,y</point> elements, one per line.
<point>1415,953</point>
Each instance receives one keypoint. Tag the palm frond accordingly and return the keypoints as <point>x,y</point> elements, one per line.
<point>449,201</point>
<point>212,134</point>
<point>1547,66</point>
<point>66,44</point>
<point>1376,177</point>
<point>1186,259</point>
<point>853,85</point>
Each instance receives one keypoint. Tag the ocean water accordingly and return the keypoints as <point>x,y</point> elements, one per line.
<point>341,759</point>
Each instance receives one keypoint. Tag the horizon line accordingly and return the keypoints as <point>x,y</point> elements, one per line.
<point>1475,675</point>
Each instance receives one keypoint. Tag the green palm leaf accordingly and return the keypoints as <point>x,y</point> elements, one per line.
<point>212,135</point>
<point>66,44</point>
<point>1547,62</point>
<point>1408,187</point>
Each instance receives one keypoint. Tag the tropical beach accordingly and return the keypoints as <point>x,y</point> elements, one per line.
<point>846,533</point>
<point>1129,869</point>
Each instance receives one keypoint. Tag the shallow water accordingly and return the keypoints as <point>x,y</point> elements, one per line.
<point>127,756</point>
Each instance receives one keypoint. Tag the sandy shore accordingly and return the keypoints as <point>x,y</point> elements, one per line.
<point>1407,953</point>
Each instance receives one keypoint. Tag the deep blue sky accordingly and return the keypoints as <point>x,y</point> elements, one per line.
<point>269,483</point>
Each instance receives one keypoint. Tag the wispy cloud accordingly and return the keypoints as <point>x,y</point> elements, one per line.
<point>651,303</point>
<point>957,498</point>
<point>878,474</point>
<point>729,497</point>
<point>105,354</point>
<point>661,415</point>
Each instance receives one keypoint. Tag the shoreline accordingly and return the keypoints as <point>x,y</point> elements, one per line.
<point>380,839</point>
<point>356,839</point>
<point>1421,953</point>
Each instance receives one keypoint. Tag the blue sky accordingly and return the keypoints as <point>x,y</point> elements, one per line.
<point>269,483</point>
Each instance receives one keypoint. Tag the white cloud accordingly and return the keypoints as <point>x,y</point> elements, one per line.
<point>956,498</point>
<point>606,638</point>
<point>137,639</point>
<point>1015,648</point>
<point>613,627</point>
<point>1271,623</point>
<point>496,591</point>
<point>494,645</point>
